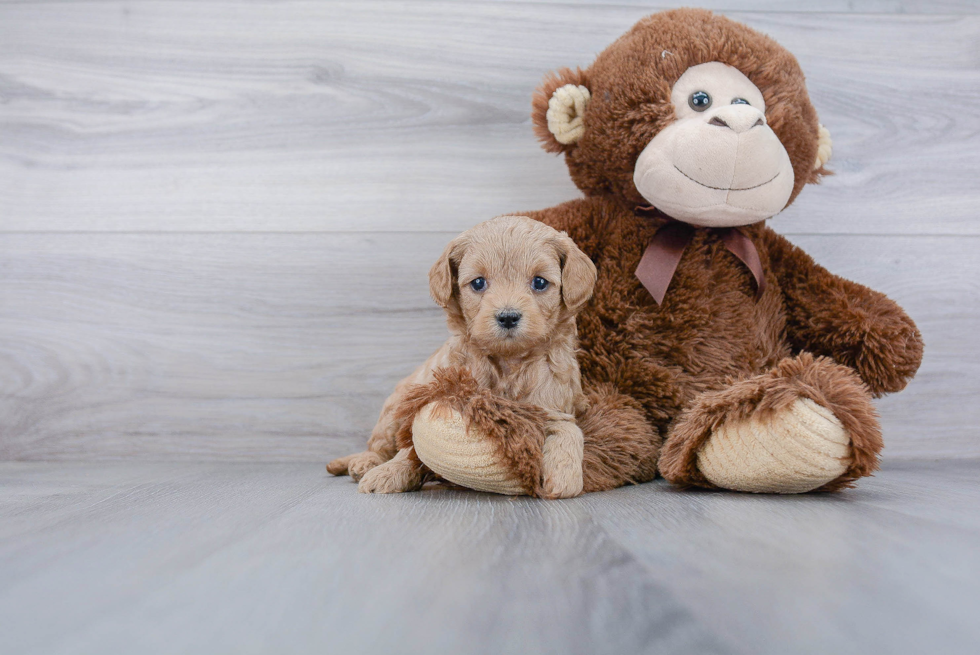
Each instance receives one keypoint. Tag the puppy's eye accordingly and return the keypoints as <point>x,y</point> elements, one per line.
<point>539,284</point>
<point>479,284</point>
<point>740,101</point>
<point>699,101</point>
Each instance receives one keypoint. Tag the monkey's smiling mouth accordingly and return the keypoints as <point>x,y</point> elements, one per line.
<point>721,188</point>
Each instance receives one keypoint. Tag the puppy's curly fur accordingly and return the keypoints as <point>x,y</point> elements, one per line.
<point>511,288</point>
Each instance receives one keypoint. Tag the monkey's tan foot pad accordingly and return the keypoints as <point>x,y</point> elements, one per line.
<point>462,455</point>
<point>793,450</point>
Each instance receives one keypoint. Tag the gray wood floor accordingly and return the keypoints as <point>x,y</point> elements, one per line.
<point>279,558</point>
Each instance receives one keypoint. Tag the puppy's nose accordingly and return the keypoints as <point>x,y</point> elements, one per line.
<point>508,319</point>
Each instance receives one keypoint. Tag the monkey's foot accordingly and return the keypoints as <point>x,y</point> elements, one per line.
<point>793,450</point>
<point>472,438</point>
<point>462,454</point>
<point>807,424</point>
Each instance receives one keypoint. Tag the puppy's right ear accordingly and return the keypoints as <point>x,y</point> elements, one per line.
<point>558,109</point>
<point>442,275</point>
<point>578,274</point>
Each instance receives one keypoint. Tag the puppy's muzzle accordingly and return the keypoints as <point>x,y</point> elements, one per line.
<point>508,319</point>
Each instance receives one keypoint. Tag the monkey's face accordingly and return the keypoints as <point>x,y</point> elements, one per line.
<point>718,164</point>
<point>704,118</point>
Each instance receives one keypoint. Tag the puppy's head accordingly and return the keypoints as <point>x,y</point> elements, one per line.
<point>512,282</point>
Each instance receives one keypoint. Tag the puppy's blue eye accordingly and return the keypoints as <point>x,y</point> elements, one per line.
<point>479,284</point>
<point>699,101</point>
<point>539,284</point>
<point>740,101</point>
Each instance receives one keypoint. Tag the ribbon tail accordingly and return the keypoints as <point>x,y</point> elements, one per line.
<point>660,259</point>
<point>742,247</point>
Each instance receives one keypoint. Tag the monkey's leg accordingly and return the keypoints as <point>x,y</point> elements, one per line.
<point>471,437</point>
<point>480,441</point>
<point>808,424</point>
<point>621,446</point>
<point>488,444</point>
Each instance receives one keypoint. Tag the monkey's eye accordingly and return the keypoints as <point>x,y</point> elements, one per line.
<point>699,100</point>
<point>479,284</point>
<point>539,284</point>
<point>740,101</point>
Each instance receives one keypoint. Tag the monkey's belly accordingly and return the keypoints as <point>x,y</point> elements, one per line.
<point>463,456</point>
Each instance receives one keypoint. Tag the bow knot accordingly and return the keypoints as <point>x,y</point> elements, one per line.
<point>664,252</point>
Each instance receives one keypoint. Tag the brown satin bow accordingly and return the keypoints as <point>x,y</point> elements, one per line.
<point>665,250</point>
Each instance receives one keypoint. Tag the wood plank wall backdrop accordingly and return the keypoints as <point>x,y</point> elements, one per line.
<point>216,218</point>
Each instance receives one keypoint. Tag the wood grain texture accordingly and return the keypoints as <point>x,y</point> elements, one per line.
<point>267,116</point>
<point>216,218</point>
<point>826,6</point>
<point>207,345</point>
<point>873,570</point>
<point>282,346</point>
<point>256,558</point>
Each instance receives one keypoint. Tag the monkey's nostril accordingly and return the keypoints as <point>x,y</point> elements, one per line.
<point>508,319</point>
<point>717,121</point>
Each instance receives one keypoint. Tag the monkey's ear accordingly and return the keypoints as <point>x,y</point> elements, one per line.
<point>442,275</point>
<point>558,109</point>
<point>578,274</point>
<point>824,150</point>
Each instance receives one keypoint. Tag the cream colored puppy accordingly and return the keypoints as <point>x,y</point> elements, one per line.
<point>511,288</point>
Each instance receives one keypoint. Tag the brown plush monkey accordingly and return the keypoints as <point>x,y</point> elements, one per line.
<point>713,350</point>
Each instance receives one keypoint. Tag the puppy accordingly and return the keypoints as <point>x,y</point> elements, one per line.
<point>511,288</point>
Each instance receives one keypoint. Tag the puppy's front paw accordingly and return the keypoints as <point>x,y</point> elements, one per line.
<point>565,482</point>
<point>561,465</point>
<point>339,466</point>
<point>392,477</point>
<point>562,475</point>
<point>358,465</point>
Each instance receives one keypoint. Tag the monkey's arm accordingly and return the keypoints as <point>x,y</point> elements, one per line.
<point>854,325</point>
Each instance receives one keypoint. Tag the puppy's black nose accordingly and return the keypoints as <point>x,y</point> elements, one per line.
<point>508,319</point>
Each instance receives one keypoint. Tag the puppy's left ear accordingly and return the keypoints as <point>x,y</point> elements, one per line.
<point>578,274</point>
<point>442,275</point>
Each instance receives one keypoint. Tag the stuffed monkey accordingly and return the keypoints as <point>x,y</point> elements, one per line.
<point>713,351</point>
